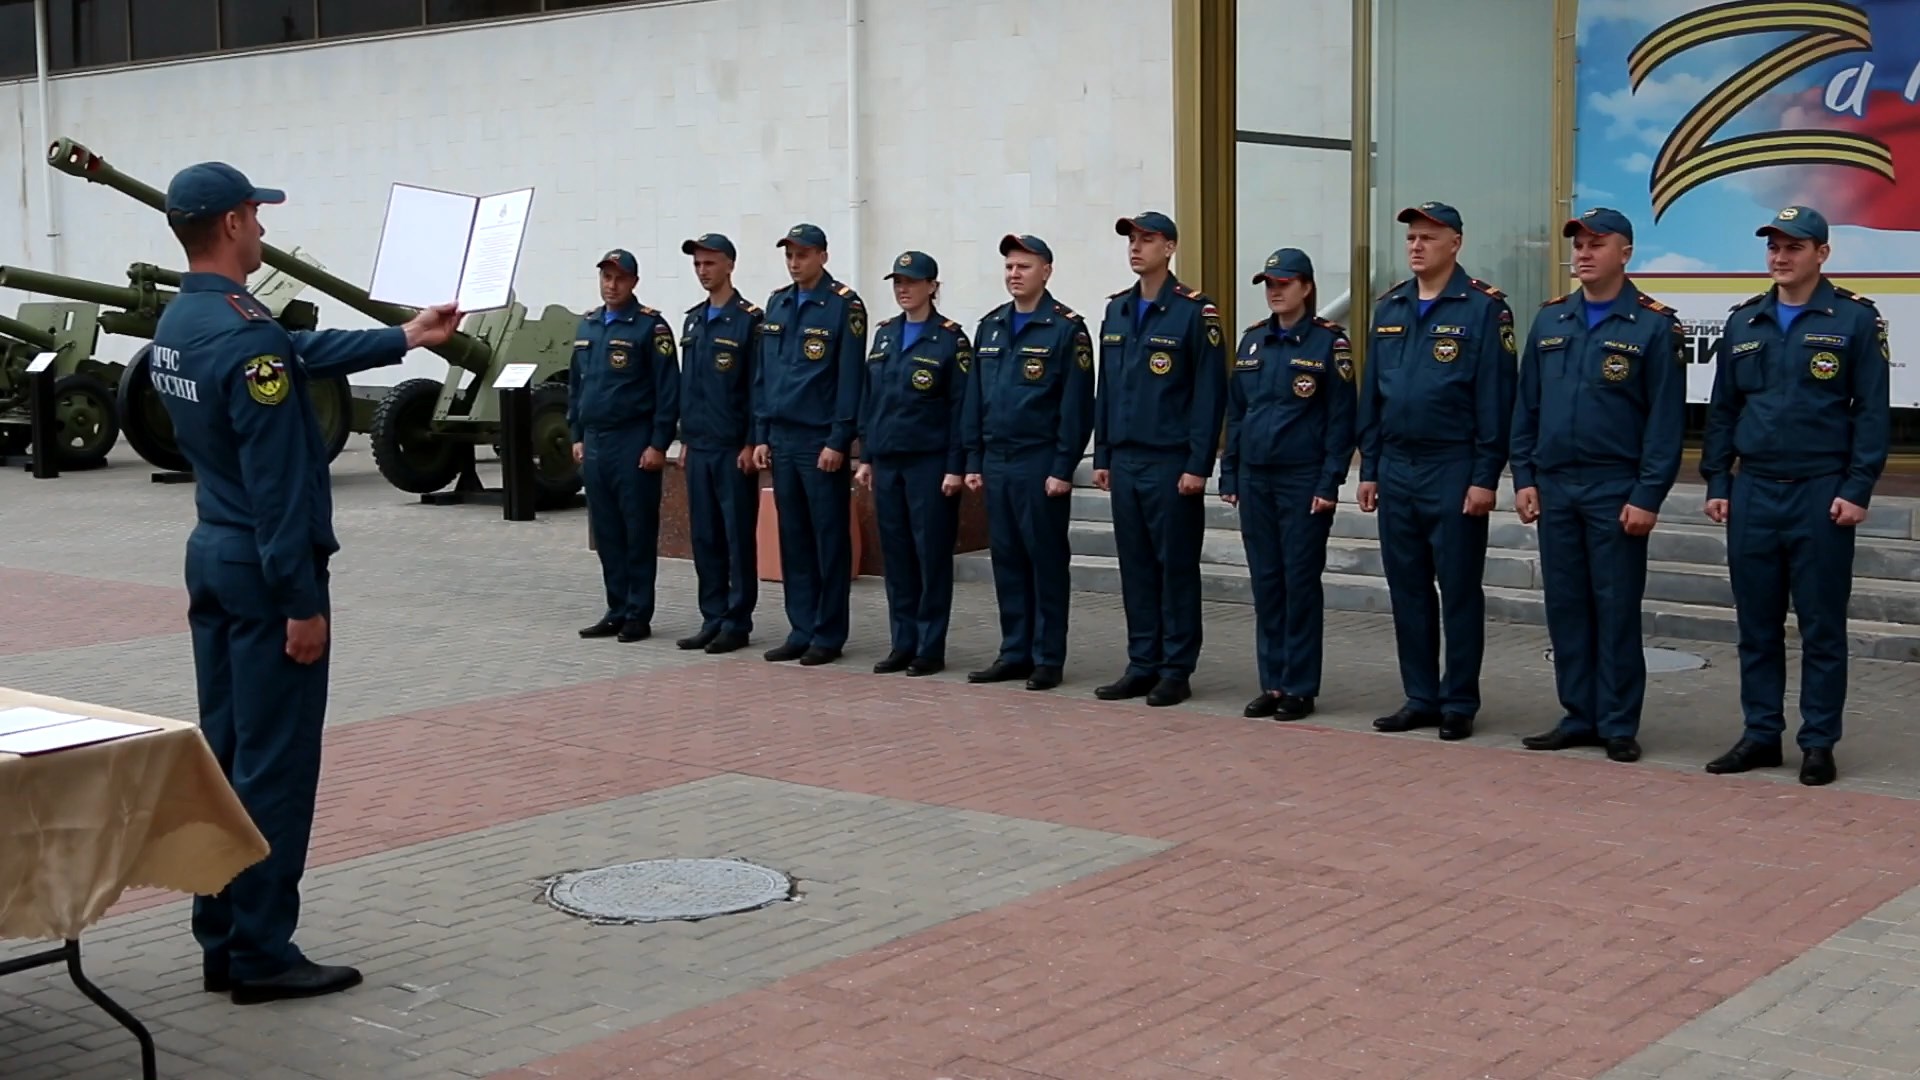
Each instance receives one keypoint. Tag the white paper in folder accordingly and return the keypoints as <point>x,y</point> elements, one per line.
<point>440,246</point>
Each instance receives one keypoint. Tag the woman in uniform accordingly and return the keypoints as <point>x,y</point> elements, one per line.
<point>1289,440</point>
<point>910,458</point>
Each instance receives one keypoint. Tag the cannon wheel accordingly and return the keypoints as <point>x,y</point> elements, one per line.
<point>556,479</point>
<point>89,423</point>
<point>144,419</point>
<point>408,452</point>
<point>333,407</point>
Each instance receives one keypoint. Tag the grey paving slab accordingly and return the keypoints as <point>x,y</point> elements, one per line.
<point>470,971</point>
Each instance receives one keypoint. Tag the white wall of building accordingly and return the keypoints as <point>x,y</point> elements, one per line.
<point>1293,68</point>
<point>640,127</point>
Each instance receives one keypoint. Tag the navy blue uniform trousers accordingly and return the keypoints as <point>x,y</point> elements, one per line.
<point>723,512</point>
<point>623,502</point>
<point>918,527</point>
<point>815,511</point>
<point>1032,562</point>
<point>1424,540</point>
<point>1158,532</point>
<point>1286,546</point>
<point>1595,576</point>
<point>262,715</point>
<point>1781,543</point>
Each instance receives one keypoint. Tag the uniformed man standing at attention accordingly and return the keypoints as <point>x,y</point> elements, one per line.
<point>1289,443</point>
<point>1156,429</point>
<point>623,406</point>
<point>1800,402</point>
<point>1596,448</point>
<point>910,458</point>
<point>1436,407</point>
<point>235,386</point>
<point>716,437</point>
<point>806,398</point>
<point>1028,413</point>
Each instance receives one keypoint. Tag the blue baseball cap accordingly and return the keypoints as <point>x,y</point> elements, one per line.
<point>623,259</point>
<point>805,235</point>
<point>212,188</point>
<point>1152,221</point>
<point>1602,220</point>
<point>1023,242</point>
<point>1285,264</point>
<point>712,241</point>
<point>1437,212</point>
<point>915,266</point>
<point>1802,221</point>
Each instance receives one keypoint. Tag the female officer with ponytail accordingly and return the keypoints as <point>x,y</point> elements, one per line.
<point>1289,440</point>
<point>910,458</point>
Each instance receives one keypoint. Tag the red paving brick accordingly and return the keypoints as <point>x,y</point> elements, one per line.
<point>64,611</point>
<point>1338,904</point>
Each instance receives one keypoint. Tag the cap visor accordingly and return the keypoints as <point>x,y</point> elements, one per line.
<point>689,247</point>
<point>1783,230</point>
<point>1277,279</point>
<point>1010,242</point>
<point>268,196</point>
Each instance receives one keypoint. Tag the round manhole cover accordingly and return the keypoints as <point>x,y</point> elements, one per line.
<point>1659,660</point>
<point>656,890</point>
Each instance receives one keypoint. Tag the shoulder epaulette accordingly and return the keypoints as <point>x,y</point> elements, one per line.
<point>1121,293</point>
<point>1749,301</point>
<point>1853,296</point>
<point>1561,299</point>
<point>249,308</point>
<point>949,324</point>
<point>1393,288</point>
<point>1181,288</point>
<point>1328,324</point>
<point>645,310</point>
<point>1064,311</point>
<point>1486,288</point>
<point>840,287</point>
<point>1651,304</point>
<point>751,309</point>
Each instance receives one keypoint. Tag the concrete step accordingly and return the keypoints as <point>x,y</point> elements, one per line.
<point>1869,636</point>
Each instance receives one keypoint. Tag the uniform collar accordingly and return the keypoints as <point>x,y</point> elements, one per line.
<point>205,281</point>
<point>1043,313</point>
<point>626,313</point>
<point>934,319</point>
<point>1625,306</point>
<point>1168,290</point>
<point>732,302</point>
<point>820,289</point>
<point>1822,301</point>
<point>1459,283</point>
<point>1297,333</point>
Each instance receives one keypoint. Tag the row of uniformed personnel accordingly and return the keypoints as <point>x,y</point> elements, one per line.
<point>1590,422</point>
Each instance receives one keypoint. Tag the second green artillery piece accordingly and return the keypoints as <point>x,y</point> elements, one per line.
<point>424,431</point>
<point>83,397</point>
<point>108,399</point>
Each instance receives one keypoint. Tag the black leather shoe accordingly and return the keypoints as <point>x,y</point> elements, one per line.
<point>700,640</point>
<point>1169,692</point>
<point>635,630</point>
<point>1817,767</point>
<point>1045,677</point>
<point>1454,726</point>
<point>1624,748</point>
<point>1294,706</point>
<point>1264,705</point>
<point>924,665</point>
<point>1126,686</point>
<point>1000,671</point>
<point>1407,720</point>
<point>897,660</point>
<point>1746,754</point>
<point>213,975</point>
<point>606,627</point>
<point>726,641</point>
<point>816,656</point>
<point>307,979</point>
<point>1561,738</point>
<point>786,652</point>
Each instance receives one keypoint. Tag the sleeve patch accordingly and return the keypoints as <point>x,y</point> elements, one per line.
<point>267,381</point>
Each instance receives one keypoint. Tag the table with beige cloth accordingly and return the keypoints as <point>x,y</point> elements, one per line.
<point>78,827</point>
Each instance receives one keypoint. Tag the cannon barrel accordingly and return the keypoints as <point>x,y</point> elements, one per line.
<point>461,350</point>
<point>90,292</point>
<point>28,333</point>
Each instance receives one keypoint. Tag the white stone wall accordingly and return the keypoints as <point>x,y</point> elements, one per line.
<point>640,127</point>
<point>1293,67</point>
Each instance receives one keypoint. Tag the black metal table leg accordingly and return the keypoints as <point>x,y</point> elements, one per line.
<point>70,953</point>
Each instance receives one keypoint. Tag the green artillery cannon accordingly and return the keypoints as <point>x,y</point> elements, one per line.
<point>423,432</point>
<point>83,395</point>
<point>133,405</point>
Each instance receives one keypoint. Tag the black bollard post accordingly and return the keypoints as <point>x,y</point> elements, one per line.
<point>46,422</point>
<point>516,453</point>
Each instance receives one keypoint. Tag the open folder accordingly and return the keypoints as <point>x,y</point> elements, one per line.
<point>440,246</point>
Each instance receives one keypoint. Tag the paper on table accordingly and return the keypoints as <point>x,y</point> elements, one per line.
<point>499,224</point>
<point>423,246</point>
<point>28,717</point>
<point>73,733</point>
